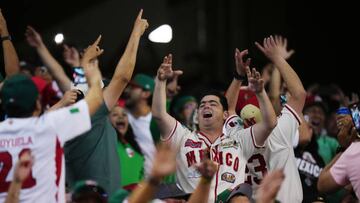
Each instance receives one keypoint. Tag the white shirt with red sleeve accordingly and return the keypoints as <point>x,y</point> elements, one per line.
<point>278,154</point>
<point>45,137</point>
<point>230,151</point>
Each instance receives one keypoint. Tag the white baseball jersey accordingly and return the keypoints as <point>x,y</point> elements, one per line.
<point>278,153</point>
<point>230,151</point>
<point>45,137</point>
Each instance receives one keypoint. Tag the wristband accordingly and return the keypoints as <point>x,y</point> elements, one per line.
<point>241,78</point>
<point>153,181</point>
<point>6,38</point>
<point>204,180</point>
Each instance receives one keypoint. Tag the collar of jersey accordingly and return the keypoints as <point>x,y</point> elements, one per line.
<point>206,140</point>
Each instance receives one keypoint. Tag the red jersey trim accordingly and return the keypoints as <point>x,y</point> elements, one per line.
<point>228,119</point>
<point>58,164</point>
<point>171,134</point>
<point>293,112</point>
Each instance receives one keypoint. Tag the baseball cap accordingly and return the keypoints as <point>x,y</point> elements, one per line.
<point>171,190</point>
<point>144,81</point>
<point>88,189</point>
<point>243,189</point>
<point>19,91</point>
<point>180,102</point>
<point>248,107</point>
<point>119,196</point>
<point>246,97</point>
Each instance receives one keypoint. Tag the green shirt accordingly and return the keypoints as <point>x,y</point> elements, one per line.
<point>132,171</point>
<point>93,155</point>
<point>327,147</point>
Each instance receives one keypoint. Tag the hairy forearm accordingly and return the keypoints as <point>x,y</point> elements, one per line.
<point>11,60</point>
<point>232,95</point>
<point>201,192</point>
<point>13,192</point>
<point>274,90</point>
<point>159,100</point>
<point>58,105</point>
<point>266,109</point>
<point>291,79</point>
<point>144,192</point>
<point>126,64</point>
<point>94,98</point>
<point>55,68</point>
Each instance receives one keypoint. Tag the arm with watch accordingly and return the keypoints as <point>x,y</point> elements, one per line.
<point>255,84</point>
<point>240,78</point>
<point>11,59</point>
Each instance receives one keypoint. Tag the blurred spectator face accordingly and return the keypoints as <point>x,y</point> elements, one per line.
<point>331,126</point>
<point>316,117</point>
<point>119,120</point>
<point>188,110</point>
<point>133,95</point>
<point>210,111</point>
<point>42,72</point>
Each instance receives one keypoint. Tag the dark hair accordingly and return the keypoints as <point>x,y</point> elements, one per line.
<point>222,98</point>
<point>14,111</point>
<point>130,138</point>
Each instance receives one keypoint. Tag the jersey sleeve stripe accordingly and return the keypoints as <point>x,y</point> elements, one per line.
<point>229,119</point>
<point>253,138</point>
<point>293,112</point>
<point>171,134</point>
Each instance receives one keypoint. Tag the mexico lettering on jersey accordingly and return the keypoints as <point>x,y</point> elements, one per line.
<point>45,137</point>
<point>278,153</point>
<point>230,151</point>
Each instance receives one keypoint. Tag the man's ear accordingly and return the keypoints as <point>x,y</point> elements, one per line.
<point>38,107</point>
<point>225,115</point>
<point>146,94</point>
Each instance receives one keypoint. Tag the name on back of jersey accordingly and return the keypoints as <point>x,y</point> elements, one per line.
<point>9,142</point>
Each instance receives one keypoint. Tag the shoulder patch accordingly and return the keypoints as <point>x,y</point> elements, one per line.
<point>74,110</point>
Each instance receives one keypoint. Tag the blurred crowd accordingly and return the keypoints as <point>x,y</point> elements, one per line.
<point>142,138</point>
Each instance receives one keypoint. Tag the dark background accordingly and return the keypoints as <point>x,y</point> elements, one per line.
<point>205,34</point>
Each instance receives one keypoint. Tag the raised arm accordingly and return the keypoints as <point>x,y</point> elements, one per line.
<point>125,67</point>
<point>273,49</point>
<point>21,173</point>
<point>262,129</point>
<point>158,108</point>
<point>207,169</point>
<point>11,59</point>
<point>94,97</point>
<point>164,165</point>
<point>232,93</point>
<point>56,70</point>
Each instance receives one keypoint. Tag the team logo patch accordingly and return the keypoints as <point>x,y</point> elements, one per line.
<point>74,110</point>
<point>229,144</point>
<point>228,177</point>
<point>192,144</point>
<point>234,123</point>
